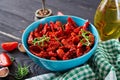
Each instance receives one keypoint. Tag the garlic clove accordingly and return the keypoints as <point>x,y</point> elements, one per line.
<point>4,71</point>
<point>21,48</point>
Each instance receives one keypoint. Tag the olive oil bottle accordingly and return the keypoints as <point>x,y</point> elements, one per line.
<point>107,19</point>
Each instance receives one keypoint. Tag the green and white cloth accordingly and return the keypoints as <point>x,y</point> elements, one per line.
<point>103,65</point>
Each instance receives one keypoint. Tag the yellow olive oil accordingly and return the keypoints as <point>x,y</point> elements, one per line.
<point>107,19</point>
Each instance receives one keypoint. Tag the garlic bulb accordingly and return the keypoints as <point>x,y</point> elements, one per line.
<point>4,71</point>
<point>21,48</point>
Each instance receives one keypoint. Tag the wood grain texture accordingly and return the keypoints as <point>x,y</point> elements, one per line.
<point>16,15</point>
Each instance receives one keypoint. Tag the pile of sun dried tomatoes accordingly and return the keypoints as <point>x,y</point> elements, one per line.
<point>57,41</point>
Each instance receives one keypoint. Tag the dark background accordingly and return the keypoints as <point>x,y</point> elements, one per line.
<point>16,15</point>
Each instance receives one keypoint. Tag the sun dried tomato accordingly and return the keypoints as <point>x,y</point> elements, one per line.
<point>60,53</point>
<point>69,55</point>
<point>53,58</point>
<point>35,49</point>
<point>58,23</point>
<point>71,22</point>
<point>43,54</point>
<point>57,41</point>
<point>46,28</point>
<point>30,38</point>
<point>79,52</point>
<point>68,28</point>
<point>40,27</point>
<point>52,54</point>
<point>85,26</point>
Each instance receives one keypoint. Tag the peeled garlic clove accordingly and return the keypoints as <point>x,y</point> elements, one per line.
<point>4,71</point>
<point>21,48</point>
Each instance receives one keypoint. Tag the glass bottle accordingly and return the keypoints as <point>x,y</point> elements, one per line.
<point>107,19</point>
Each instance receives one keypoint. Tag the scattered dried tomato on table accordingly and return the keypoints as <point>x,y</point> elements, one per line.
<point>5,59</point>
<point>9,46</point>
<point>57,41</point>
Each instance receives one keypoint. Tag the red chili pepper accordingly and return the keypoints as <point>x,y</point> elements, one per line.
<point>5,59</point>
<point>9,46</point>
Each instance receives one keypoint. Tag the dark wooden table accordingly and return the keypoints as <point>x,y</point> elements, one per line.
<point>16,15</point>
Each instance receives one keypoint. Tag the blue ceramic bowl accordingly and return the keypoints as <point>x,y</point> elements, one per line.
<point>59,65</point>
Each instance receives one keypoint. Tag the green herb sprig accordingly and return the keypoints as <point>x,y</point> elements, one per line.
<point>86,37</point>
<point>58,40</point>
<point>63,28</point>
<point>12,59</point>
<point>21,72</point>
<point>40,41</point>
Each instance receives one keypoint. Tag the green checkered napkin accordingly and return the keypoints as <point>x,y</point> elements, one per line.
<point>104,65</point>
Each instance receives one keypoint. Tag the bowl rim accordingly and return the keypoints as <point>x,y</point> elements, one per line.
<point>92,49</point>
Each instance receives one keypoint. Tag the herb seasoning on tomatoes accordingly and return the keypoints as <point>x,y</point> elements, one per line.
<point>57,41</point>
